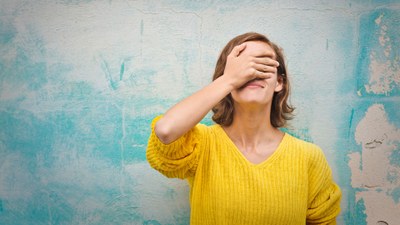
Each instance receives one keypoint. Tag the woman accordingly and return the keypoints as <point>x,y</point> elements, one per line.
<point>243,169</point>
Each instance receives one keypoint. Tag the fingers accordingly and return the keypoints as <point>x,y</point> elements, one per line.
<point>262,75</point>
<point>241,67</point>
<point>238,49</point>
<point>265,68</point>
<point>266,61</point>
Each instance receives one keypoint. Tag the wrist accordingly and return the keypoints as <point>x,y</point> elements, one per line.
<point>226,83</point>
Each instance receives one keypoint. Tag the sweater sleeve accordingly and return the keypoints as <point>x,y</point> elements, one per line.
<point>178,159</point>
<point>324,194</point>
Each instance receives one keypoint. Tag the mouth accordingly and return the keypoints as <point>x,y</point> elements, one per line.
<point>254,83</point>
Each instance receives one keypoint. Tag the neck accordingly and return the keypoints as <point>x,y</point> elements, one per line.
<point>252,127</point>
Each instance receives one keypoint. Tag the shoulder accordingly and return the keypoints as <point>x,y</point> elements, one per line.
<point>312,155</point>
<point>303,145</point>
<point>308,149</point>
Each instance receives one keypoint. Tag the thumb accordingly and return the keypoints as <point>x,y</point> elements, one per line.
<point>238,49</point>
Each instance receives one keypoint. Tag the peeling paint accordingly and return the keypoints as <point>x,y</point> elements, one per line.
<point>370,167</point>
<point>395,156</point>
<point>380,50</point>
<point>396,195</point>
<point>385,75</point>
<point>360,212</point>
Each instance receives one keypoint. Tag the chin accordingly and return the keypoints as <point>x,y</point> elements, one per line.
<point>252,98</point>
<point>252,101</point>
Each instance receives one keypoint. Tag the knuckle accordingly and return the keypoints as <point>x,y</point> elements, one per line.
<point>252,71</point>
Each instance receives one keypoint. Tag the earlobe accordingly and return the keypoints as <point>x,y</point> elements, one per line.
<point>279,85</point>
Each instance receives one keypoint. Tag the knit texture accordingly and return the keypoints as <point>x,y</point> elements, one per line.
<point>293,186</point>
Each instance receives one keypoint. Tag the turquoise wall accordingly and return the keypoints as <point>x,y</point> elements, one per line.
<point>80,82</point>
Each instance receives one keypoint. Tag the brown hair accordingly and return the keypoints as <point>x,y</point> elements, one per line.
<point>281,111</point>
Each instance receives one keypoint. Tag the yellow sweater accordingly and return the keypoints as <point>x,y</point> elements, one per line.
<point>293,186</point>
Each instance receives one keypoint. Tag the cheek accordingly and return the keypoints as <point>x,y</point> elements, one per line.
<point>272,84</point>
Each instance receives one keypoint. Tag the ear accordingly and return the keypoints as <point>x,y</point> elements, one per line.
<point>279,84</point>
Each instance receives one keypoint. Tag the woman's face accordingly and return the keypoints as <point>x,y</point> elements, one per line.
<point>257,92</point>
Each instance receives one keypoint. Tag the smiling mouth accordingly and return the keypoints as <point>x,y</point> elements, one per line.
<point>254,83</point>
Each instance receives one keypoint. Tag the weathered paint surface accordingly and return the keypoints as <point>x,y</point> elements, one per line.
<point>80,82</point>
<point>375,166</point>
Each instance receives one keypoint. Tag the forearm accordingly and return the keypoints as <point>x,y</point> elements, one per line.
<point>186,114</point>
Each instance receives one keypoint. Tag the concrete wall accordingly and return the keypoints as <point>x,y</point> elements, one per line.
<point>81,80</point>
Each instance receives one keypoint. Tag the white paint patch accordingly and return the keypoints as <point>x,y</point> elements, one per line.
<point>356,173</point>
<point>379,208</point>
<point>384,69</point>
<point>370,169</point>
<point>385,76</point>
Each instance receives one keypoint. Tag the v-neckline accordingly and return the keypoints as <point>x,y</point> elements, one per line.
<point>277,152</point>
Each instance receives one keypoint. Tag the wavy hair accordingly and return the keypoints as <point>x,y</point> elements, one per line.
<point>281,110</point>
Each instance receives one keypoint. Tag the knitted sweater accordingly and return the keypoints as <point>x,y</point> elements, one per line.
<point>293,186</point>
